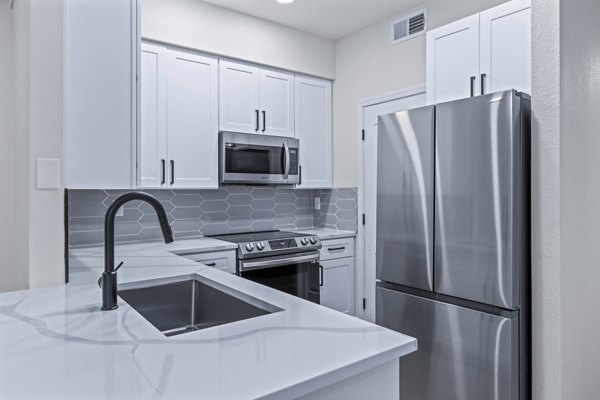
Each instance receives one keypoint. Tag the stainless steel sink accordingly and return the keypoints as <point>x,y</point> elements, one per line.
<point>189,303</point>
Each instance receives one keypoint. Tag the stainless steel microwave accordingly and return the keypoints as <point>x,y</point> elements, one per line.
<point>253,159</point>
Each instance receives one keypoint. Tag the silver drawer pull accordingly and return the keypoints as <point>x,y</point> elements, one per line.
<point>212,264</point>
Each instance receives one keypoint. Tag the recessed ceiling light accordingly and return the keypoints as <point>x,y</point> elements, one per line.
<point>285,1</point>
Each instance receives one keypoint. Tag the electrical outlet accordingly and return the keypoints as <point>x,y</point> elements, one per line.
<point>317,203</point>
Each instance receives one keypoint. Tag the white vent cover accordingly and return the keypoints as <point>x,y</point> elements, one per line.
<point>409,26</point>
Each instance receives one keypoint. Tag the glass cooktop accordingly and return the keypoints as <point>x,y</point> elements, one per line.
<point>257,236</point>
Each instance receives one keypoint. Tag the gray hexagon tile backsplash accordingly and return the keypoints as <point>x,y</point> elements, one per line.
<point>210,212</point>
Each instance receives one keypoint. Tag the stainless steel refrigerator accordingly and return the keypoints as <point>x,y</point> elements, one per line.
<point>453,259</point>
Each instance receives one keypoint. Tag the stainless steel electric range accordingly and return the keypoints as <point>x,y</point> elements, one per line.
<point>287,261</point>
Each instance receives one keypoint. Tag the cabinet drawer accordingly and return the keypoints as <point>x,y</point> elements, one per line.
<point>337,248</point>
<point>224,260</point>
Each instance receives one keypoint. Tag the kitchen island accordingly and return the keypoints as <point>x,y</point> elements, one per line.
<point>57,343</point>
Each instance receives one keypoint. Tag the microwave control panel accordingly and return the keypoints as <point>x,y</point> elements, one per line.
<point>293,161</point>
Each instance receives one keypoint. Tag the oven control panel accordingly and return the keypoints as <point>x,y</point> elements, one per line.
<point>278,246</point>
<point>282,244</point>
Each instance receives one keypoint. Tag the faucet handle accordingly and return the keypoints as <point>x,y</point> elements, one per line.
<point>116,269</point>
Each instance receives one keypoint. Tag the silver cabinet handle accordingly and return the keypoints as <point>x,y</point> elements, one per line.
<point>320,275</point>
<point>473,86</point>
<point>264,113</point>
<point>163,179</point>
<point>483,76</point>
<point>286,170</point>
<point>257,121</point>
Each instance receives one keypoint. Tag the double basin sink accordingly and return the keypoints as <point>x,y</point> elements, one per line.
<point>190,303</point>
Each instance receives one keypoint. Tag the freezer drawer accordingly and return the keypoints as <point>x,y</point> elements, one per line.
<point>463,354</point>
<point>404,240</point>
<point>481,199</point>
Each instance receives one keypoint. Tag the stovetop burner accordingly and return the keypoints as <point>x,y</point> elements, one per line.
<point>270,243</point>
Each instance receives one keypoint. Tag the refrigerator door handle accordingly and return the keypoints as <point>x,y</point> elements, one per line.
<point>483,76</point>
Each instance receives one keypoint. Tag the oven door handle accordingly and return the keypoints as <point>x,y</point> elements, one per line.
<point>286,162</point>
<point>251,265</point>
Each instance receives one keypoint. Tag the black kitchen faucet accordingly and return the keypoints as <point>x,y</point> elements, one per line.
<point>109,276</point>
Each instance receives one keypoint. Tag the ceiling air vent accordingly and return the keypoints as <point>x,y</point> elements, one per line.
<point>409,26</point>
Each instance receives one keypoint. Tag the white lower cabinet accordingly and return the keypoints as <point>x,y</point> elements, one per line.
<point>223,260</point>
<point>337,261</point>
<point>337,291</point>
<point>179,119</point>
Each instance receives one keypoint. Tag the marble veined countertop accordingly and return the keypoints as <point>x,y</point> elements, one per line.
<point>56,343</point>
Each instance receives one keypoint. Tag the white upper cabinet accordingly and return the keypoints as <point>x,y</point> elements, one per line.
<point>506,47</point>
<point>314,130</point>
<point>153,116</point>
<point>453,60</point>
<point>255,100</point>
<point>192,127</point>
<point>179,119</point>
<point>483,53</point>
<point>100,77</point>
<point>239,97</point>
<point>277,103</point>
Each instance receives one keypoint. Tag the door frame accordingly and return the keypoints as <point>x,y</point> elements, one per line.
<point>368,313</point>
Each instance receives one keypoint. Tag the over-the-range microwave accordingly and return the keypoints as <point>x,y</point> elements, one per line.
<point>253,159</point>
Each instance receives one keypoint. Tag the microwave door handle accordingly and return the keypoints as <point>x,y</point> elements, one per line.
<point>286,162</point>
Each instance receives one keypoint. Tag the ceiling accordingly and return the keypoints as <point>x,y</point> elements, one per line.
<point>331,19</point>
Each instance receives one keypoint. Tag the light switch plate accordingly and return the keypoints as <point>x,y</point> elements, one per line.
<point>47,173</point>
<point>317,203</point>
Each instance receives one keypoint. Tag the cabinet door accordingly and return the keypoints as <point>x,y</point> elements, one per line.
<point>337,291</point>
<point>239,99</point>
<point>313,128</point>
<point>100,90</point>
<point>506,47</point>
<point>277,103</point>
<point>192,115</point>
<point>453,61</point>
<point>153,116</point>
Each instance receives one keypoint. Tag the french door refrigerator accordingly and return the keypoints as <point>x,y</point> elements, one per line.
<point>452,250</point>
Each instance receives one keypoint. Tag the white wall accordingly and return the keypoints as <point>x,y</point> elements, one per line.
<point>367,65</point>
<point>580,197</point>
<point>11,279</point>
<point>545,201</point>
<point>38,60</point>
<point>566,189</point>
<point>203,26</point>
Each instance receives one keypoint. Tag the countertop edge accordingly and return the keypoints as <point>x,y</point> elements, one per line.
<point>332,377</point>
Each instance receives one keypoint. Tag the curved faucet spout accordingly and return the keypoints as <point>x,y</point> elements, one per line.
<point>109,276</point>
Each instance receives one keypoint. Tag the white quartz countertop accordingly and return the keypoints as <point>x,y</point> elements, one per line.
<point>56,343</point>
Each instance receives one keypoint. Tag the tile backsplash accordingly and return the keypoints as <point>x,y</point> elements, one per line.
<point>210,212</point>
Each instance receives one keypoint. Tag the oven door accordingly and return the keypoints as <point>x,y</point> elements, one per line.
<point>258,159</point>
<point>299,275</point>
